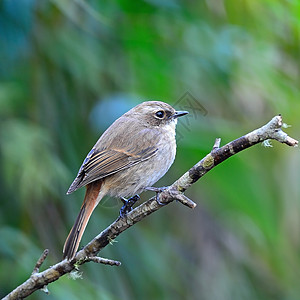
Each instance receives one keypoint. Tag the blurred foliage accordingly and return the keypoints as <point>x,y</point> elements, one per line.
<point>69,68</point>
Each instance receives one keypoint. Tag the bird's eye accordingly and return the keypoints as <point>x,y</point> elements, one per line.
<point>160,114</point>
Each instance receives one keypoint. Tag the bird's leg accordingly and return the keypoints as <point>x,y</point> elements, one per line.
<point>128,203</point>
<point>157,191</point>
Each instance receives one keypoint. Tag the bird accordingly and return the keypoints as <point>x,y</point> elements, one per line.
<point>130,156</point>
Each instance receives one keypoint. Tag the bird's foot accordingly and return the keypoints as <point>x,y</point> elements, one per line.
<point>157,191</point>
<point>128,203</point>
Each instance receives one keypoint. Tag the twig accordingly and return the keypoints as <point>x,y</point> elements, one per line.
<point>271,130</point>
<point>105,261</point>
<point>40,261</point>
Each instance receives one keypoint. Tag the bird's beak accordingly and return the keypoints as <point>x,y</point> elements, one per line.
<point>178,114</point>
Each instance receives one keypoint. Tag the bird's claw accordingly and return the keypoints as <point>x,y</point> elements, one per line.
<point>157,191</point>
<point>128,204</point>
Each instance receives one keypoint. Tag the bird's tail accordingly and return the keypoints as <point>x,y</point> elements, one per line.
<point>89,203</point>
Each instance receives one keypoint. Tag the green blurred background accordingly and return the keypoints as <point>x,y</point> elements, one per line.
<point>69,68</point>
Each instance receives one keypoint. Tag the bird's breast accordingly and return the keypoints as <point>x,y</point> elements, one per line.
<point>133,180</point>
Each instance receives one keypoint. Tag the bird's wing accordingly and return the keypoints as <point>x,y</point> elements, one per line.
<point>99,164</point>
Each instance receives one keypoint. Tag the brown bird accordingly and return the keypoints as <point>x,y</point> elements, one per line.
<point>131,155</point>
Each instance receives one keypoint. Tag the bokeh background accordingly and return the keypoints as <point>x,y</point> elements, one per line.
<point>69,68</point>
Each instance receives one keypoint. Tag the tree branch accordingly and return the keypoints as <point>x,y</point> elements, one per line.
<point>271,130</point>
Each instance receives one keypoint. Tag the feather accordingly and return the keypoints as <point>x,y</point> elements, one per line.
<point>99,164</point>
